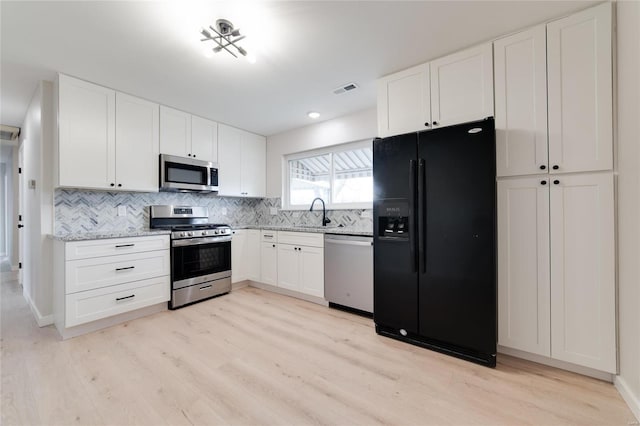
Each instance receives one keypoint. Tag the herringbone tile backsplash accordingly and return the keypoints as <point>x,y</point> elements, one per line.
<point>79,211</point>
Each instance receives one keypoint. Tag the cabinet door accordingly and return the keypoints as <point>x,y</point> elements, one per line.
<point>204,139</point>
<point>583,304</point>
<point>521,103</point>
<point>229,160</point>
<point>523,265</point>
<point>238,261</point>
<point>312,271</point>
<point>580,91</point>
<point>253,165</point>
<point>269,264</point>
<point>404,102</point>
<point>462,86</point>
<point>137,144</point>
<point>87,140</point>
<point>175,132</point>
<point>288,267</point>
<point>252,255</point>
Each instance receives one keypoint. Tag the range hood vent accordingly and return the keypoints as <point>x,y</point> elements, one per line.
<point>9,133</point>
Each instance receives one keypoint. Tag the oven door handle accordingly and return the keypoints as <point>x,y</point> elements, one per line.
<point>199,240</point>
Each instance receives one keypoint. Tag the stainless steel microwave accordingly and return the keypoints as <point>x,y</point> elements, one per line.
<point>187,174</point>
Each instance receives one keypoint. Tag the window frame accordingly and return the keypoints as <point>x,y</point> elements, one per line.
<point>330,150</point>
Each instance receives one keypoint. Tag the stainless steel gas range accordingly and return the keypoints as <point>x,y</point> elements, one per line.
<point>200,253</point>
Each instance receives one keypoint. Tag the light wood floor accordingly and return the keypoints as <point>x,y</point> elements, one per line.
<point>253,357</point>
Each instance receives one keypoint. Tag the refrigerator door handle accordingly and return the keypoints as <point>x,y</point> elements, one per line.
<point>422,188</point>
<point>412,215</point>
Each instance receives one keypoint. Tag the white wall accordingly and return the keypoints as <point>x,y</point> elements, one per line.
<point>350,128</point>
<point>37,133</point>
<point>628,73</point>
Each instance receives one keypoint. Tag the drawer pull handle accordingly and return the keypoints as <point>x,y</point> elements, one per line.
<point>118,299</point>
<point>206,287</point>
<point>124,245</point>
<point>125,268</point>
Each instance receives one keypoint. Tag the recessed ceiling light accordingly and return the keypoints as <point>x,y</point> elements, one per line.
<point>251,58</point>
<point>313,114</point>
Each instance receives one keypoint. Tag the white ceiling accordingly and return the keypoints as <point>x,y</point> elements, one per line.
<point>304,50</point>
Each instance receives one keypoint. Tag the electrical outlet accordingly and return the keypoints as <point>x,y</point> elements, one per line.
<point>122,210</point>
<point>273,211</point>
<point>367,214</point>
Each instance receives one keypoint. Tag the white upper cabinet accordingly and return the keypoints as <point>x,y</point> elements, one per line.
<point>186,135</point>
<point>580,91</point>
<point>524,312</point>
<point>462,86</point>
<point>107,139</point>
<point>521,103</point>
<point>404,102</point>
<point>175,132</point>
<point>242,162</point>
<point>583,290</point>
<point>86,139</point>
<point>137,144</point>
<point>204,139</point>
<point>254,157</point>
<point>446,91</point>
<point>230,159</point>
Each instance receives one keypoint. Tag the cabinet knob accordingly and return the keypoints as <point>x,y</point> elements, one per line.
<point>435,123</point>
<point>274,245</point>
<point>112,184</point>
<point>189,155</point>
<point>556,167</point>
<point>119,185</point>
<point>556,182</point>
<point>194,156</point>
<point>544,182</point>
<point>427,124</point>
<point>543,167</point>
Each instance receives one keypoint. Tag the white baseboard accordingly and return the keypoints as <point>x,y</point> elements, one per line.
<point>239,285</point>
<point>632,400</point>
<point>291,293</point>
<point>563,365</point>
<point>42,320</point>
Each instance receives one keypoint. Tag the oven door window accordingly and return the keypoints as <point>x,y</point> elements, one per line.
<point>185,173</point>
<point>201,259</point>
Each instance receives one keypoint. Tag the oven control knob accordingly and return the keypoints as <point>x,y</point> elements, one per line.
<point>190,234</point>
<point>216,232</point>
<point>182,234</point>
<point>204,232</point>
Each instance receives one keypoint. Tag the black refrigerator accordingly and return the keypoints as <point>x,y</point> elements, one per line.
<point>435,239</point>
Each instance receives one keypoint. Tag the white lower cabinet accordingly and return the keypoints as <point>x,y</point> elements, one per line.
<point>245,255</point>
<point>269,263</point>
<point>556,267</point>
<point>301,262</point>
<point>97,279</point>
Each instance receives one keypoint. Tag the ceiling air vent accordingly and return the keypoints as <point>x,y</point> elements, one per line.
<point>345,88</point>
<point>9,133</point>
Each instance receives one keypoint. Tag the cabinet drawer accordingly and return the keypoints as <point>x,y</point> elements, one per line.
<point>87,274</point>
<point>114,246</point>
<point>269,236</point>
<point>301,238</point>
<point>96,304</point>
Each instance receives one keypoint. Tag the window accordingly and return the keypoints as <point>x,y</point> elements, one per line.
<point>341,175</point>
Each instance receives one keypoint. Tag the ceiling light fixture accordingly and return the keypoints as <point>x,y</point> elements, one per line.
<point>226,37</point>
<point>313,114</point>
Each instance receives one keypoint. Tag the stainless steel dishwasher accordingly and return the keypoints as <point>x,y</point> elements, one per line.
<point>348,272</point>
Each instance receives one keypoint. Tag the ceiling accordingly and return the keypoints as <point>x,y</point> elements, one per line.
<point>304,50</point>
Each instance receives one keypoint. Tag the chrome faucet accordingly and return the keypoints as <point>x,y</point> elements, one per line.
<point>325,219</point>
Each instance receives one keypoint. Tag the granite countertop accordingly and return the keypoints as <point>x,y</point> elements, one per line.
<point>314,229</point>
<point>80,236</point>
